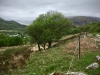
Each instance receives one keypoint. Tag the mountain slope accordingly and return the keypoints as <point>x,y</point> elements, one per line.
<point>83,20</point>
<point>10,25</point>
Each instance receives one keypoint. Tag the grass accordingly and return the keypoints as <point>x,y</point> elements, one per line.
<point>47,62</point>
<point>14,51</point>
<point>58,60</point>
<point>13,58</point>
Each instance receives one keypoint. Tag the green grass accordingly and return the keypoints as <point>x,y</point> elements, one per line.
<point>56,59</point>
<point>13,51</point>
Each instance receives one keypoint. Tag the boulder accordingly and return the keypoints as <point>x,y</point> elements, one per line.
<point>93,66</point>
<point>75,73</point>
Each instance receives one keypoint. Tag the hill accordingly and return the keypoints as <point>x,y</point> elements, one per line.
<point>58,59</point>
<point>83,20</point>
<point>10,25</point>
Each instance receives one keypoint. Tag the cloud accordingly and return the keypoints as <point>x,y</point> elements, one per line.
<point>25,11</point>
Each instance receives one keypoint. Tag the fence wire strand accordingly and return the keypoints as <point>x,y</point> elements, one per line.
<point>71,63</point>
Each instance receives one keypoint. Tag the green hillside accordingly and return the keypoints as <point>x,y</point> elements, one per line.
<point>55,59</point>
<point>58,59</point>
<point>93,27</point>
<point>83,20</point>
<point>10,25</point>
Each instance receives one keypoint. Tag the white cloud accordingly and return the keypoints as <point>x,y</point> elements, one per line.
<point>25,11</point>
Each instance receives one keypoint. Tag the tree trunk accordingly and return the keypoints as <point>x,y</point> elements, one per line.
<point>39,46</point>
<point>44,45</point>
<point>49,46</point>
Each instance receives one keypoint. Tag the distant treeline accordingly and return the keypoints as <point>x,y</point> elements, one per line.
<point>91,28</point>
<point>6,40</point>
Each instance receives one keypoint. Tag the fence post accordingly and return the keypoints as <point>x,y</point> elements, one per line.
<point>79,47</point>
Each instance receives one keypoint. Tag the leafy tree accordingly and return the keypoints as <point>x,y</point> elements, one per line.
<point>48,27</point>
<point>6,40</point>
<point>3,38</point>
<point>17,40</point>
<point>74,31</point>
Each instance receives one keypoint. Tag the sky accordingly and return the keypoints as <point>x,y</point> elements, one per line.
<point>26,11</point>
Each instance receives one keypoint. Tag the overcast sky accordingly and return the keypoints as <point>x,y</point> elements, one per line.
<point>25,11</point>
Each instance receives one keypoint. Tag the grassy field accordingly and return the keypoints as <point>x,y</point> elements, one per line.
<point>57,59</point>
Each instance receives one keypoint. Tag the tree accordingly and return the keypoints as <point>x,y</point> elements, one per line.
<point>48,27</point>
<point>6,40</point>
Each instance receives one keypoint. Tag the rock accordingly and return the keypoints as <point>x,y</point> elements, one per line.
<point>93,66</point>
<point>98,57</point>
<point>68,73</point>
<point>75,73</point>
<point>57,73</point>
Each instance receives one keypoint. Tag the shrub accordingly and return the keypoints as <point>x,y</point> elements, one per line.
<point>13,58</point>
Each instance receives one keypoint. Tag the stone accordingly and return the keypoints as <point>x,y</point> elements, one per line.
<point>93,66</point>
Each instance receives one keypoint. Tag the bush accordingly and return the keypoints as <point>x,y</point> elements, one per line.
<point>13,58</point>
<point>6,40</point>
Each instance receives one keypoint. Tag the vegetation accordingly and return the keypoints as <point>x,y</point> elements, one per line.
<point>13,58</point>
<point>6,40</point>
<point>92,28</point>
<point>48,27</point>
<point>11,25</point>
<point>58,59</point>
<point>83,20</point>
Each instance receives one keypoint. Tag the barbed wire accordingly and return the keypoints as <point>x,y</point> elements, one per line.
<point>71,63</point>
